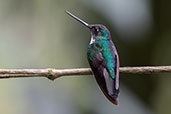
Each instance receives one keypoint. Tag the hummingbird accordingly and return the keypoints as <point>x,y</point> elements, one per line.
<point>103,59</point>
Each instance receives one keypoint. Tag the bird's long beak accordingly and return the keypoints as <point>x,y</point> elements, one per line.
<point>78,19</point>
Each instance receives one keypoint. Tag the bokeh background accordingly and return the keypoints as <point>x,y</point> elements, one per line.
<point>38,34</point>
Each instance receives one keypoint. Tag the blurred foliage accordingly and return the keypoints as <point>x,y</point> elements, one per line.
<point>38,34</point>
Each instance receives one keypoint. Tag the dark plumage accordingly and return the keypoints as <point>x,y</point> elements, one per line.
<point>103,59</point>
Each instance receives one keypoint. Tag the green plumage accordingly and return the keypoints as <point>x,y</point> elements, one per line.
<point>103,59</point>
<point>102,47</point>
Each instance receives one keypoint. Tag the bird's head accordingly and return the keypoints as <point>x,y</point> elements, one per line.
<point>99,31</point>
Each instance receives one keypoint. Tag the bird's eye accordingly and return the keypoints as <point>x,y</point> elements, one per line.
<point>97,29</point>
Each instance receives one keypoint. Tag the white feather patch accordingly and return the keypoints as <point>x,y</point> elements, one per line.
<point>92,40</point>
<point>109,82</point>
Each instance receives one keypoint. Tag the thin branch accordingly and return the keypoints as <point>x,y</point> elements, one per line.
<point>55,73</point>
<point>145,69</point>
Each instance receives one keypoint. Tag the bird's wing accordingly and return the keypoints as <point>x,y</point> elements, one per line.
<point>103,75</point>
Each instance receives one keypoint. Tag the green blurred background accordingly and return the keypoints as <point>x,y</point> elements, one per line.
<point>38,34</point>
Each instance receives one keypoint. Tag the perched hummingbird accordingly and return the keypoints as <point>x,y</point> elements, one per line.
<point>103,59</point>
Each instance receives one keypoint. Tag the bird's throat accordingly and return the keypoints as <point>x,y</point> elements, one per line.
<point>92,40</point>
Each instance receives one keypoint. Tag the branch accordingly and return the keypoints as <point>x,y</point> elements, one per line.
<point>55,73</point>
